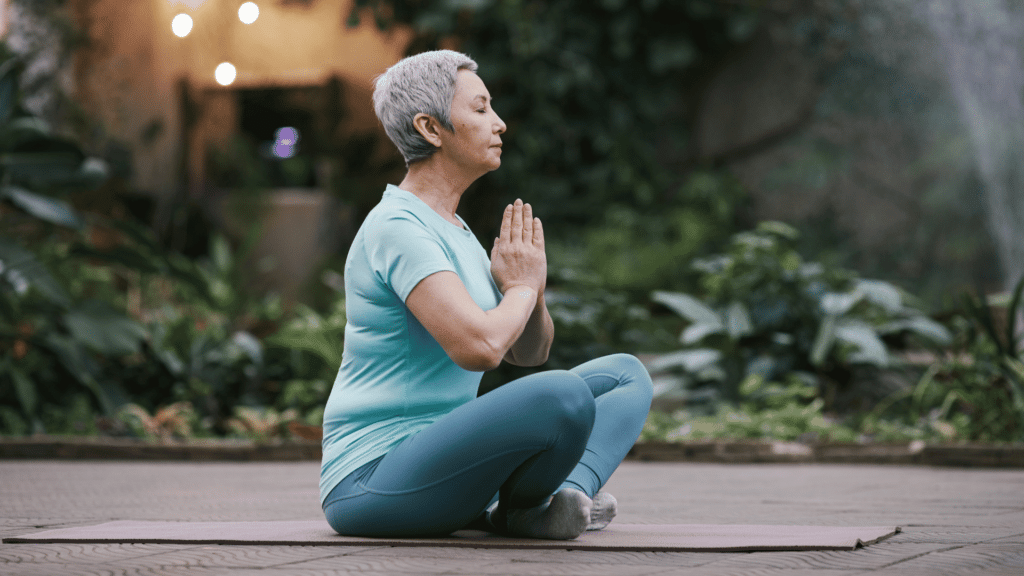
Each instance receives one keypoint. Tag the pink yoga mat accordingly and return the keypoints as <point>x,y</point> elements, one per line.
<point>622,537</point>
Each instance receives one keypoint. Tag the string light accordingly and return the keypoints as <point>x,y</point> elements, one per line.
<point>181,25</point>
<point>225,73</point>
<point>248,12</point>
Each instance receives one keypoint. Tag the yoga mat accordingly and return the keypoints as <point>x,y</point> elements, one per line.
<point>622,537</point>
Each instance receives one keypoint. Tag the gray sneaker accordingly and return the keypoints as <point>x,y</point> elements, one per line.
<point>603,510</point>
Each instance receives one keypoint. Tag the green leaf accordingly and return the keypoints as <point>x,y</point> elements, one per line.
<point>737,321</point>
<point>882,293</point>
<point>220,253</point>
<point>18,264</point>
<point>778,229</point>
<point>26,128</point>
<point>978,309</point>
<point>23,387</point>
<point>55,169</point>
<point>870,348</point>
<point>76,359</point>
<point>317,343</point>
<point>920,325</point>
<point>51,210</point>
<point>104,330</point>
<point>839,303</point>
<point>1011,315</point>
<point>696,332</point>
<point>9,71</point>
<point>250,345</point>
<point>751,384</point>
<point>688,307</point>
<point>123,255</point>
<point>689,360</point>
<point>823,341</point>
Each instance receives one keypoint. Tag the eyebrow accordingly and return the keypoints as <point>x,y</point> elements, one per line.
<point>482,97</point>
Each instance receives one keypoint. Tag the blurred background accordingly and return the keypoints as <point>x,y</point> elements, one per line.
<point>805,216</point>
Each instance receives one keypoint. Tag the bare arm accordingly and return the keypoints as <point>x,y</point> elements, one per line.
<point>534,344</point>
<point>473,338</point>
<point>476,339</point>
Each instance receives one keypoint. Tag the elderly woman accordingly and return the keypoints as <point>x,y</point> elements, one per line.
<point>408,449</point>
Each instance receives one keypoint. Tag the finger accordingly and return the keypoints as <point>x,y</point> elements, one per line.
<point>538,233</point>
<point>517,220</point>
<point>527,224</point>
<point>506,225</point>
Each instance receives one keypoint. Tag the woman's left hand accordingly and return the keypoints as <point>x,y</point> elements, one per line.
<point>518,256</point>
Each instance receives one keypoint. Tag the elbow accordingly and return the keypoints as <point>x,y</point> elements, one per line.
<point>481,357</point>
<point>537,359</point>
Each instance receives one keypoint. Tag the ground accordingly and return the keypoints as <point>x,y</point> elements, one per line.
<point>955,521</point>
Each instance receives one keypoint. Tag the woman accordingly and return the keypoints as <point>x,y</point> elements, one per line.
<point>409,450</point>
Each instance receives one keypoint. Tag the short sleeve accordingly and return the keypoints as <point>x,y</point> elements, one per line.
<point>402,251</point>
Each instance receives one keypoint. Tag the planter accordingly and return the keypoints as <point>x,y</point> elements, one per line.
<point>299,227</point>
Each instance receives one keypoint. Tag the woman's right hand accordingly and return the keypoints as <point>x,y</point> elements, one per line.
<point>518,257</point>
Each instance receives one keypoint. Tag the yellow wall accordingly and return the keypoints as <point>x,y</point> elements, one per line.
<point>127,75</point>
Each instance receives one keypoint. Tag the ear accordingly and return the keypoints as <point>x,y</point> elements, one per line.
<point>428,127</point>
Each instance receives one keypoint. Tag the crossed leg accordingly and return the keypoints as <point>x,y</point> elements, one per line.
<point>524,441</point>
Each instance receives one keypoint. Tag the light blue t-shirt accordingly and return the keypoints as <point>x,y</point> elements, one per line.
<point>395,379</point>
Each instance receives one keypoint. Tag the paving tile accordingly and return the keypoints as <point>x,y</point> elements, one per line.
<point>713,570</point>
<point>955,534</point>
<point>78,553</point>
<point>971,558</point>
<point>671,559</point>
<point>384,563</point>
<point>875,556</point>
<point>217,556</point>
<point>468,554</point>
<point>583,568</point>
<point>1013,539</point>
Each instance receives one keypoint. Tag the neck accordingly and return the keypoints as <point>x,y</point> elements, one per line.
<point>437,185</point>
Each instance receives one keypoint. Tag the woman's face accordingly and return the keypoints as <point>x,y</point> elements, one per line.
<point>475,144</point>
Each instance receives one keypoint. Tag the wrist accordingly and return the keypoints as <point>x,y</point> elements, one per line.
<point>524,291</point>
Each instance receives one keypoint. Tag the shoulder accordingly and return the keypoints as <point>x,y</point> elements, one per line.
<point>392,213</point>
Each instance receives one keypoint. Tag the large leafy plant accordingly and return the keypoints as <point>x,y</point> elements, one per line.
<point>46,337</point>
<point>975,390</point>
<point>767,312</point>
<point>70,341</point>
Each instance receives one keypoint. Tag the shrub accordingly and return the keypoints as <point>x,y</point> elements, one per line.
<point>766,312</point>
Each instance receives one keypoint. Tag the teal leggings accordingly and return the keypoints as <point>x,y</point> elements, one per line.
<point>519,444</point>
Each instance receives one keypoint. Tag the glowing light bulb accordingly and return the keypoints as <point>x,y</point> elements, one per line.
<point>248,12</point>
<point>225,73</point>
<point>181,25</point>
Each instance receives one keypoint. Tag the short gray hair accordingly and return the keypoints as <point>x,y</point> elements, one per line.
<point>421,83</point>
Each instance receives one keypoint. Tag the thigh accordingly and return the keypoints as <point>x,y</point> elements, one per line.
<point>525,416</point>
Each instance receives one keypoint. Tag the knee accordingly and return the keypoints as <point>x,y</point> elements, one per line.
<point>635,376</point>
<point>566,398</point>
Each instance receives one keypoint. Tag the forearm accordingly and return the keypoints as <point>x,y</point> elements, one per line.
<point>534,344</point>
<point>506,324</point>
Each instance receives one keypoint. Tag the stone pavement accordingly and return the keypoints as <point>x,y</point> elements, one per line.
<point>955,521</point>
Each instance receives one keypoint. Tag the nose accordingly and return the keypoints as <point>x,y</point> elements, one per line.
<point>499,125</point>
